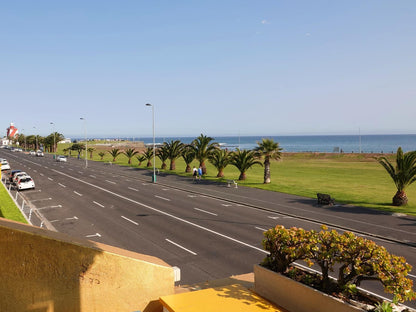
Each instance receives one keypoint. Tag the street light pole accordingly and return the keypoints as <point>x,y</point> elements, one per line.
<point>23,131</point>
<point>86,142</point>
<point>36,137</point>
<point>54,144</point>
<point>154,144</point>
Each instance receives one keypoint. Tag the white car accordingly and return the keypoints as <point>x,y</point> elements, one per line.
<point>5,165</point>
<point>18,175</point>
<point>24,183</point>
<point>33,153</point>
<point>61,158</point>
<point>39,153</point>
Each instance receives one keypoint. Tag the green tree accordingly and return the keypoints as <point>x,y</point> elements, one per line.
<point>148,155</point>
<point>141,159</point>
<point>115,152</point>
<point>101,154</point>
<point>203,146</point>
<point>174,149</point>
<point>220,158</point>
<point>78,147</point>
<point>403,174</point>
<point>188,155</point>
<point>91,150</point>
<point>163,154</point>
<point>130,152</point>
<point>243,160</point>
<point>269,149</point>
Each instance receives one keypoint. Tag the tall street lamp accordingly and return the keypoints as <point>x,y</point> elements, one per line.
<point>36,137</point>
<point>154,144</point>
<point>86,144</point>
<point>23,131</point>
<point>54,144</point>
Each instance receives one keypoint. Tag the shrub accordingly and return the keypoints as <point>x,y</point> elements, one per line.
<point>357,259</point>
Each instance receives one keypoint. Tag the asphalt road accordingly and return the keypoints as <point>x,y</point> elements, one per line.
<point>208,230</point>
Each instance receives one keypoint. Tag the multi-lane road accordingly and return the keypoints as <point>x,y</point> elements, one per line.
<point>208,230</point>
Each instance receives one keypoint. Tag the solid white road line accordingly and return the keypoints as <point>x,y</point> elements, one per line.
<point>177,245</point>
<point>167,199</point>
<point>98,204</point>
<point>36,200</point>
<point>79,194</point>
<point>129,220</point>
<point>48,207</point>
<point>211,213</point>
<point>73,218</point>
<point>61,184</point>
<point>133,189</point>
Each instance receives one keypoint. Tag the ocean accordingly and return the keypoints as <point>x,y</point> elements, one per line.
<point>313,143</point>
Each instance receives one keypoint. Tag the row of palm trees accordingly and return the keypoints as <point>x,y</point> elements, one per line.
<point>202,149</point>
<point>34,142</point>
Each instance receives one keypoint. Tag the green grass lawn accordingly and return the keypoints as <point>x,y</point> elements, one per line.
<point>355,179</point>
<point>8,208</point>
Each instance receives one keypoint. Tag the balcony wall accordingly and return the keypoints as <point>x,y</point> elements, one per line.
<point>45,271</point>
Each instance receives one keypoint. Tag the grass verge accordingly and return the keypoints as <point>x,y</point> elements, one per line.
<point>8,208</point>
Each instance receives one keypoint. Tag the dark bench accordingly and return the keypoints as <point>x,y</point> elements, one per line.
<point>325,199</point>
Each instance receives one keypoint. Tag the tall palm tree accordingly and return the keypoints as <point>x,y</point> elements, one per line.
<point>188,155</point>
<point>403,174</point>
<point>115,152</point>
<point>148,155</point>
<point>269,149</point>
<point>141,159</point>
<point>174,149</point>
<point>203,147</point>
<point>130,152</point>
<point>220,158</point>
<point>244,160</point>
<point>163,154</point>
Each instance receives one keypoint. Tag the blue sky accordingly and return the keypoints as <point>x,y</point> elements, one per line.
<point>212,67</point>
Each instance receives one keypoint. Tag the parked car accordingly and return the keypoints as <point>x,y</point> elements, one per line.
<point>12,173</point>
<point>24,183</point>
<point>18,175</point>
<point>39,153</point>
<point>33,153</point>
<point>5,165</point>
<point>61,158</point>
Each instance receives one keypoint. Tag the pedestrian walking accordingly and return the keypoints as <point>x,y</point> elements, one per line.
<point>199,172</point>
<point>194,174</point>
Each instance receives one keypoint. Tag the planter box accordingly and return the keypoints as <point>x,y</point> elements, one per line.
<point>295,296</point>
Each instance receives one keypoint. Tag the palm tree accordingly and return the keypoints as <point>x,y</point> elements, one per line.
<point>141,159</point>
<point>188,155</point>
<point>203,147</point>
<point>163,154</point>
<point>130,152</point>
<point>220,158</point>
<point>174,149</point>
<point>244,160</point>
<point>269,149</point>
<point>91,150</point>
<point>403,174</point>
<point>115,152</point>
<point>148,155</point>
<point>66,150</point>
<point>79,147</point>
<point>101,154</point>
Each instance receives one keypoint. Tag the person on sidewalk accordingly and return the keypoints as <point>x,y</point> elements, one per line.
<point>200,172</point>
<point>194,174</point>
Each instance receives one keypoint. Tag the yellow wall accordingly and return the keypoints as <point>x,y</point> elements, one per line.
<point>44,271</point>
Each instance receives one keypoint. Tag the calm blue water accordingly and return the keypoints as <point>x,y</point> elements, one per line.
<point>316,143</point>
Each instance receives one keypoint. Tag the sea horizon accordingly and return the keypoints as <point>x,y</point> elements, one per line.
<point>369,143</point>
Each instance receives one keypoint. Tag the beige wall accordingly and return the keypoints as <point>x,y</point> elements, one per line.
<point>44,271</point>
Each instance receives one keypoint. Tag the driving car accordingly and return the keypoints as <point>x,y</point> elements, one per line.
<point>5,165</point>
<point>61,158</point>
<point>24,183</point>
<point>39,153</point>
<point>33,153</point>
